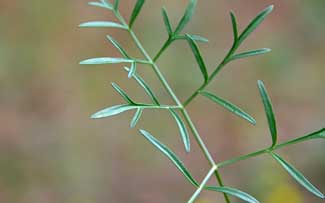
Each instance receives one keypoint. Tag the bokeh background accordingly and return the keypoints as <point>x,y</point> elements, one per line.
<point>51,152</point>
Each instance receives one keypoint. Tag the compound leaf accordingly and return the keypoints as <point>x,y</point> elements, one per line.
<point>171,156</point>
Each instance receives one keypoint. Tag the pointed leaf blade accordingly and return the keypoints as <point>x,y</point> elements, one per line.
<point>118,46</point>
<point>234,26</point>
<point>136,117</point>
<point>101,5</point>
<point>112,111</point>
<point>137,8</point>
<point>269,112</point>
<point>198,38</point>
<point>298,176</point>
<point>145,86</point>
<point>182,129</point>
<point>234,192</point>
<point>198,57</point>
<point>187,16</point>
<point>229,106</point>
<point>122,93</point>
<point>166,21</point>
<point>171,156</point>
<point>320,134</point>
<point>101,24</point>
<point>255,23</point>
<point>133,70</point>
<point>116,4</point>
<point>105,60</point>
<point>250,53</point>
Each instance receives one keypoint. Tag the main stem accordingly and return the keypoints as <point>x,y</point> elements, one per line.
<point>177,101</point>
<point>202,185</point>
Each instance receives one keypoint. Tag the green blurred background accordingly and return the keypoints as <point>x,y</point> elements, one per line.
<point>50,151</point>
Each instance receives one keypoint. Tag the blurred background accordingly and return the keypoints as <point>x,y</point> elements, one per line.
<point>51,152</point>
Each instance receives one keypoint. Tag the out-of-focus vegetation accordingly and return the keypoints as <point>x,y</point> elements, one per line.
<point>50,151</point>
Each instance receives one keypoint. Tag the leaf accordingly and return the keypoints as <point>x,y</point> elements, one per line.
<point>298,176</point>
<point>234,26</point>
<point>250,53</point>
<point>132,70</point>
<point>198,57</point>
<point>102,24</point>
<point>269,112</point>
<point>112,111</point>
<point>196,38</point>
<point>118,46</point>
<point>116,4</point>
<point>229,106</point>
<point>105,60</point>
<point>122,93</point>
<point>136,117</point>
<point>255,23</point>
<point>234,192</point>
<point>136,11</point>
<point>316,135</point>
<point>320,134</point>
<point>101,4</point>
<point>199,38</point>
<point>170,155</point>
<point>182,129</point>
<point>166,21</point>
<point>187,16</point>
<point>145,86</point>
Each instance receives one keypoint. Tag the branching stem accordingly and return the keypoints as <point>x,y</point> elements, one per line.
<point>263,151</point>
<point>172,94</point>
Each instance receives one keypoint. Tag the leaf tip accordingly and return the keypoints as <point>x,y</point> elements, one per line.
<point>270,8</point>
<point>84,62</point>
<point>260,83</point>
<point>143,132</point>
<point>95,116</point>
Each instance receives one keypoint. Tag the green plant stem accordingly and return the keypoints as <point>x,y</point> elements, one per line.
<point>172,94</point>
<point>164,47</point>
<point>263,151</point>
<point>202,185</point>
<point>212,76</point>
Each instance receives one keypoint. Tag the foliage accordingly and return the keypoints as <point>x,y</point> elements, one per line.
<point>178,111</point>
